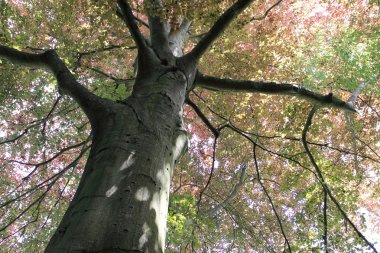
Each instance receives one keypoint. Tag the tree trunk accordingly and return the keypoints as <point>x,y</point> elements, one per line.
<point>122,200</point>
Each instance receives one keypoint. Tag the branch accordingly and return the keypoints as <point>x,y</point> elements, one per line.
<point>323,182</point>
<point>210,176</point>
<point>36,201</point>
<point>224,84</point>
<point>37,165</point>
<point>142,22</point>
<point>129,19</point>
<point>50,113</point>
<point>203,117</point>
<point>217,29</point>
<point>48,181</point>
<point>269,198</point>
<point>159,30</point>
<point>178,37</point>
<point>66,81</point>
<point>233,192</point>
<point>267,11</point>
<point>80,55</point>
<point>325,219</point>
<point>115,79</point>
<point>350,125</point>
<point>57,201</point>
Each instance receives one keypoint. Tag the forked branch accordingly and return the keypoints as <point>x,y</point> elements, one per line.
<point>66,81</point>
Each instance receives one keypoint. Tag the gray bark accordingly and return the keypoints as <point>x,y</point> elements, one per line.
<point>122,200</point>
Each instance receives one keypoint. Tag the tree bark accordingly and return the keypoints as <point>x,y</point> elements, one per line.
<point>122,201</point>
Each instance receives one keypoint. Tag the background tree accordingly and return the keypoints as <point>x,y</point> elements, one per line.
<point>258,177</point>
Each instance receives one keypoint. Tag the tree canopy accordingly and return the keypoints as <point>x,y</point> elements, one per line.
<point>293,165</point>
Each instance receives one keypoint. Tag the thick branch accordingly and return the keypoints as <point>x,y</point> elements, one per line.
<point>159,30</point>
<point>223,84</point>
<point>129,19</point>
<point>217,29</point>
<point>66,81</point>
<point>177,38</point>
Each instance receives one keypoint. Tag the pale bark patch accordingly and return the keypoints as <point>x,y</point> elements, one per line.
<point>180,144</point>
<point>111,191</point>
<point>159,202</point>
<point>147,232</point>
<point>142,194</point>
<point>127,163</point>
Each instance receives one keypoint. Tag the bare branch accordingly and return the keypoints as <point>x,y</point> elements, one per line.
<point>269,198</point>
<point>126,81</point>
<point>142,22</point>
<point>324,184</point>
<point>80,55</point>
<point>223,84</point>
<point>267,11</point>
<point>44,120</point>
<point>57,201</point>
<point>38,122</point>
<point>37,201</point>
<point>233,192</point>
<point>48,181</point>
<point>325,219</point>
<point>66,81</point>
<point>37,165</point>
<point>211,173</point>
<point>18,136</point>
<point>203,117</point>
<point>217,29</point>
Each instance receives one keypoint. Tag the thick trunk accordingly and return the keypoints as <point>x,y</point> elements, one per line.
<point>122,200</point>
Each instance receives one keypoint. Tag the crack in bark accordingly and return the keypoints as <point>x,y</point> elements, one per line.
<point>134,111</point>
<point>102,149</point>
<point>150,178</point>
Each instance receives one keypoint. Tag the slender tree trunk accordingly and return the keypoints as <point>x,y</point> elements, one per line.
<point>122,200</point>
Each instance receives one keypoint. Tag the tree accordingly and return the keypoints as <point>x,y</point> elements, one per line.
<point>137,135</point>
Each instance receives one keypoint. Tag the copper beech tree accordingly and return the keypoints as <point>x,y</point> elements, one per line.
<point>263,200</point>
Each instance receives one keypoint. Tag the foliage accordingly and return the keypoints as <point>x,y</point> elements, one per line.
<point>327,46</point>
